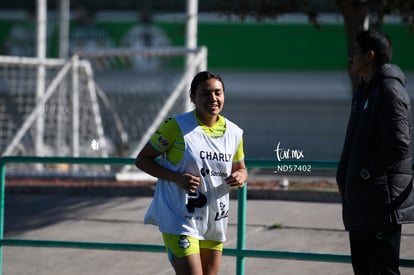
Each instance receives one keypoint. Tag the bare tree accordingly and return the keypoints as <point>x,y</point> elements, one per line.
<point>357,14</point>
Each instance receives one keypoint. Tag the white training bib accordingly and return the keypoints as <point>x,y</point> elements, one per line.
<point>203,214</point>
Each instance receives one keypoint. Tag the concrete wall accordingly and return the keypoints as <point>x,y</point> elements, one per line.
<point>301,111</point>
<point>305,111</point>
<point>315,127</point>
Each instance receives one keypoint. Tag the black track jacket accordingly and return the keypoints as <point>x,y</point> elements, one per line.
<point>378,139</point>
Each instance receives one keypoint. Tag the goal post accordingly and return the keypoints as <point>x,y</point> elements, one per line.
<point>68,108</point>
<point>198,64</point>
<point>155,104</point>
<point>95,104</point>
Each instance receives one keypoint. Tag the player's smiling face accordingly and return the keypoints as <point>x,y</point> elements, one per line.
<point>209,99</point>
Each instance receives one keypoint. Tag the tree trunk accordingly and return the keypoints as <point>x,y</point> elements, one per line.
<point>354,13</point>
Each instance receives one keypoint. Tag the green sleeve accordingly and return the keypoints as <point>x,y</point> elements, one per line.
<point>163,139</point>
<point>239,156</point>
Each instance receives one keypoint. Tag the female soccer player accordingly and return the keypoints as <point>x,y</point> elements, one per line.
<point>201,159</point>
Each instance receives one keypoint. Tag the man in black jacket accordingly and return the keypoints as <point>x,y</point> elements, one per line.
<point>374,175</point>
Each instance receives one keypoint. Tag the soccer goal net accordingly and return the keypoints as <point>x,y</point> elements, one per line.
<point>97,104</point>
<point>145,86</point>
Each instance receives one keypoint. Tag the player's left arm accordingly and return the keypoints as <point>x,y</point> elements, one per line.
<point>238,176</point>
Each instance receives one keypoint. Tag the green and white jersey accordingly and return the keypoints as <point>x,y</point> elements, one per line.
<point>203,214</point>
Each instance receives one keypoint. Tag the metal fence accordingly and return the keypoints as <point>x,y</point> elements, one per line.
<point>239,252</point>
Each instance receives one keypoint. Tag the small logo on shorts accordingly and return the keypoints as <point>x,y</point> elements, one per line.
<point>184,243</point>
